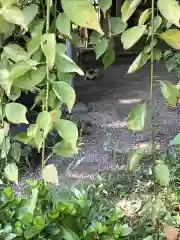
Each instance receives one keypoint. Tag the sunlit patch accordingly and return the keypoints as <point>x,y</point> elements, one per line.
<point>129,101</point>
<point>116,124</point>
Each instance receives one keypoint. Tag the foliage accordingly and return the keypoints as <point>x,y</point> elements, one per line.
<point>44,213</point>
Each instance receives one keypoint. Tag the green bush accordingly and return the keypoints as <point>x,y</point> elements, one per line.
<point>44,213</point>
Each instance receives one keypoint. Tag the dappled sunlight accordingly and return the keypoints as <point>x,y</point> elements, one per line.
<point>116,124</point>
<point>129,101</point>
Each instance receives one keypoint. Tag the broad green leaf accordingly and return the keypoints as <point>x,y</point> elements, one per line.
<point>162,174</point>
<point>101,47</point>
<point>65,64</point>
<point>66,77</point>
<point>140,60</point>
<point>6,27</point>
<point>15,52</point>
<point>32,78</point>
<point>126,230</point>
<point>50,174</point>
<point>44,122</point>
<point>157,22</point>
<point>32,201</point>
<point>5,147</point>
<point>68,131</point>
<point>36,34</point>
<point>23,138</point>
<point>7,3</point>
<point>137,117</point>
<point>95,37</point>
<point>170,9</point>
<point>63,24</point>
<point>171,37</point>
<point>5,83</point>
<point>16,151</point>
<point>15,93</point>
<point>65,93</point>
<point>144,16</point>
<point>87,17</point>
<point>176,140</point>
<point>105,5</point>
<point>19,69</point>
<point>30,13</point>
<point>117,25</point>
<point>61,47</point>
<point>14,15</point>
<point>135,157</point>
<point>170,92</point>
<point>48,44</point>
<point>109,56</point>
<point>156,208</point>
<point>64,149</point>
<point>157,54</point>
<point>132,35</point>
<point>68,234</point>
<point>128,8</point>
<point>11,172</point>
<point>16,113</point>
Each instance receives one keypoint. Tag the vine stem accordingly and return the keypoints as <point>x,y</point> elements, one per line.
<point>47,84</point>
<point>153,146</point>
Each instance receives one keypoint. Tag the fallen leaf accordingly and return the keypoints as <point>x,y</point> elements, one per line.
<point>171,233</point>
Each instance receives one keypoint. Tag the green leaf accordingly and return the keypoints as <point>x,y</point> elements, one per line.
<point>30,13</point>
<point>6,27</point>
<point>14,15</point>
<point>32,78</point>
<point>63,24</point>
<point>170,92</point>
<point>176,140</point>
<point>5,147</point>
<point>19,69</point>
<point>157,54</point>
<point>15,53</point>
<point>11,172</point>
<point>61,47</point>
<point>135,157</point>
<point>126,230</point>
<point>105,5</point>
<point>65,93</point>
<point>68,234</point>
<point>86,18</point>
<point>50,174</point>
<point>44,122</point>
<point>48,44</point>
<point>109,56</point>
<point>16,113</point>
<point>16,151</point>
<point>65,64</point>
<point>101,47</point>
<point>157,22</point>
<point>5,83</point>
<point>68,131</point>
<point>137,117</point>
<point>15,93</point>
<point>66,77</point>
<point>170,10</point>
<point>140,61</point>
<point>117,25</point>
<point>132,35</point>
<point>171,37</point>
<point>32,201</point>
<point>144,16</point>
<point>36,34</point>
<point>95,37</point>
<point>162,174</point>
<point>128,8</point>
<point>64,149</point>
<point>7,3</point>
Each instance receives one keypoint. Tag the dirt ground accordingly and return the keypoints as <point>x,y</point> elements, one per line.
<point>110,98</point>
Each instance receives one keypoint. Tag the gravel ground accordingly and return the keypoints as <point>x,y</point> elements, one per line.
<point>110,98</point>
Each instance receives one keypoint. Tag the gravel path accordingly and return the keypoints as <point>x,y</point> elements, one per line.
<point>110,98</point>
